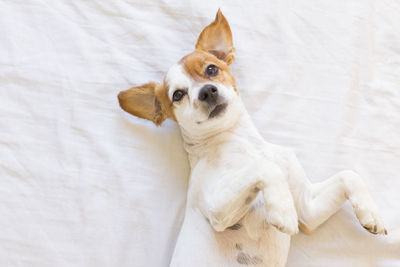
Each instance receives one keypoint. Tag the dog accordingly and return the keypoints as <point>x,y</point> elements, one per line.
<point>246,196</point>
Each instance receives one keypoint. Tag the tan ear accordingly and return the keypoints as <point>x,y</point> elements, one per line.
<point>216,39</point>
<point>142,102</point>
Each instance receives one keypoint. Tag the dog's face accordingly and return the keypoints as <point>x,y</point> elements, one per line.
<point>198,92</point>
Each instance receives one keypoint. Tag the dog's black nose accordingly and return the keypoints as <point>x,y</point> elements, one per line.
<point>209,94</point>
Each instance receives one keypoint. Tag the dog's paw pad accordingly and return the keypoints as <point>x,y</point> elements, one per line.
<point>375,229</point>
<point>370,229</point>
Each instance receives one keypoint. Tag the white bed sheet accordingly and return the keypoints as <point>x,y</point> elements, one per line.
<point>84,184</point>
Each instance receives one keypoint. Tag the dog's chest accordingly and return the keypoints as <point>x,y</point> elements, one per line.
<point>241,158</point>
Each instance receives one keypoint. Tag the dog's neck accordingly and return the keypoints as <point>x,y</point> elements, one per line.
<point>199,146</point>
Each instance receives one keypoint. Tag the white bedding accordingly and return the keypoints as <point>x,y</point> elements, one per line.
<point>84,184</point>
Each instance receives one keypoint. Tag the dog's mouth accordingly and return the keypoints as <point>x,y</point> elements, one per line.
<point>217,110</point>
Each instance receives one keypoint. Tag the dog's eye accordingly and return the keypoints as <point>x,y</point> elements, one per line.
<point>211,70</point>
<point>178,95</point>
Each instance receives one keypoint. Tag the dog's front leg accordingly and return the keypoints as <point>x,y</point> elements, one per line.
<point>226,199</point>
<point>278,200</point>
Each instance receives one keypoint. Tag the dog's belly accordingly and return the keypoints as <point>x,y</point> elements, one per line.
<point>200,245</point>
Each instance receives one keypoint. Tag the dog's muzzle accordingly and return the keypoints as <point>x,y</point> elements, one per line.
<point>214,103</point>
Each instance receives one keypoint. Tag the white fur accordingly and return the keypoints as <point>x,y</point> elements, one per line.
<point>238,179</point>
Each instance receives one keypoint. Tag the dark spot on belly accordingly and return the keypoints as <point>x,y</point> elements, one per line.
<point>236,226</point>
<point>238,246</point>
<point>256,189</point>
<point>248,200</point>
<point>244,258</point>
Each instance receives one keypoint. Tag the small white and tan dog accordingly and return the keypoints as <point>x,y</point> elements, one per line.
<point>245,196</point>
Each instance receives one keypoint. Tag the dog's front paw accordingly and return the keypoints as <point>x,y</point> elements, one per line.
<point>284,219</point>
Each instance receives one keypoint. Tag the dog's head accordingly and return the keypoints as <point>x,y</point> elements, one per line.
<point>198,92</point>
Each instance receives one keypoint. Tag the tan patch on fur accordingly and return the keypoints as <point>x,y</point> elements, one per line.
<point>149,101</point>
<point>196,63</point>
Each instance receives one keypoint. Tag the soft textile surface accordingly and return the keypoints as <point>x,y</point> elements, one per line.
<point>84,184</point>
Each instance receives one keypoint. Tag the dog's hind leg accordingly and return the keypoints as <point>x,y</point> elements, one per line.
<point>315,203</point>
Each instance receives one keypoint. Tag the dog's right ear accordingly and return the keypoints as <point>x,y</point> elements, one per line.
<point>145,101</point>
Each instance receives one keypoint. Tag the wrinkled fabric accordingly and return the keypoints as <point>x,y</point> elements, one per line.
<point>84,184</point>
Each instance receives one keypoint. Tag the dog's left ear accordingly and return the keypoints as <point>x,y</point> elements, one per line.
<point>216,39</point>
